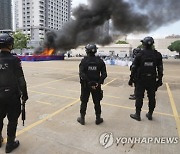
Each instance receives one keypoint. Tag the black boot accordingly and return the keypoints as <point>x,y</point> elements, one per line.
<point>136,116</point>
<point>149,115</point>
<point>81,119</point>
<point>99,120</point>
<point>1,140</point>
<point>11,144</point>
<point>132,97</point>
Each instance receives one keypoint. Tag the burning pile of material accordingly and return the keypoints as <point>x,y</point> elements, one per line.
<point>46,55</point>
<point>47,52</point>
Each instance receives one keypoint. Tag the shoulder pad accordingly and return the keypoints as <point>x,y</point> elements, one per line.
<point>155,50</point>
<point>159,54</point>
<point>98,58</point>
<point>84,60</point>
<point>85,57</point>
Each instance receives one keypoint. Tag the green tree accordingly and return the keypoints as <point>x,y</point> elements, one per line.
<point>175,46</point>
<point>141,46</point>
<point>20,40</point>
<point>121,42</point>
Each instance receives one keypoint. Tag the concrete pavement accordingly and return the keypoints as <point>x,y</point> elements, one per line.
<point>53,107</point>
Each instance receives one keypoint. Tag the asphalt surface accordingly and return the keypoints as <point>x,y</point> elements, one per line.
<point>51,125</point>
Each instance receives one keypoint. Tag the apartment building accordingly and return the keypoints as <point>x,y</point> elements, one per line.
<point>36,17</point>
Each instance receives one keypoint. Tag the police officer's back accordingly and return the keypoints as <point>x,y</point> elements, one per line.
<point>92,72</point>
<point>148,70</point>
<point>12,87</point>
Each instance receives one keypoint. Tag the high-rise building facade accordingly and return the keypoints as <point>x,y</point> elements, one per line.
<point>36,17</point>
<point>5,15</point>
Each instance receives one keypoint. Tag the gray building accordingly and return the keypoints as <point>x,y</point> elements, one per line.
<point>36,17</point>
<point>160,44</point>
<point>5,16</point>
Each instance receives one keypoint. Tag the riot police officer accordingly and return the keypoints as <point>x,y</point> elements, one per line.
<point>136,51</point>
<point>92,72</point>
<point>12,88</point>
<point>148,67</point>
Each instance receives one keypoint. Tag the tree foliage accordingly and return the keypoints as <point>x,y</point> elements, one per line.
<point>121,42</point>
<point>141,46</point>
<point>175,46</point>
<point>20,40</point>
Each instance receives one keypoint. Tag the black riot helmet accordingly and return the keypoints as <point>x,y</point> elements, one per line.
<point>91,49</point>
<point>148,41</point>
<point>6,40</point>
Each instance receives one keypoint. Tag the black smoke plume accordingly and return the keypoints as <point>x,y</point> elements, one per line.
<point>127,17</point>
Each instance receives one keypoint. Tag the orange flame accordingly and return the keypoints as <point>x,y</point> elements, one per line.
<point>47,52</point>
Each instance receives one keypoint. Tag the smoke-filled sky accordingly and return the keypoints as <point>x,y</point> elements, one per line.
<point>161,32</point>
<point>126,16</point>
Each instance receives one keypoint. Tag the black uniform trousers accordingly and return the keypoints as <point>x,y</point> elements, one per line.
<point>150,87</point>
<point>10,107</point>
<point>96,96</point>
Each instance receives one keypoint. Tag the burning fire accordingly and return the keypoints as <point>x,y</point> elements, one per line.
<point>47,52</point>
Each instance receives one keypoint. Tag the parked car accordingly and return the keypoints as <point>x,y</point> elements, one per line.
<point>177,57</point>
<point>165,56</point>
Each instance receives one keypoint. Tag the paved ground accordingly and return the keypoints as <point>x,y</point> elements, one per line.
<point>53,107</point>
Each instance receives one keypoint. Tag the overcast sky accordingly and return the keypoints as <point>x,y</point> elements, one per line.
<point>159,33</point>
<point>77,2</point>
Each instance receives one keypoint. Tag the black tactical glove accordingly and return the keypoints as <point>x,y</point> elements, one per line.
<point>24,95</point>
<point>93,85</point>
<point>130,83</point>
<point>24,98</point>
<point>158,83</point>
